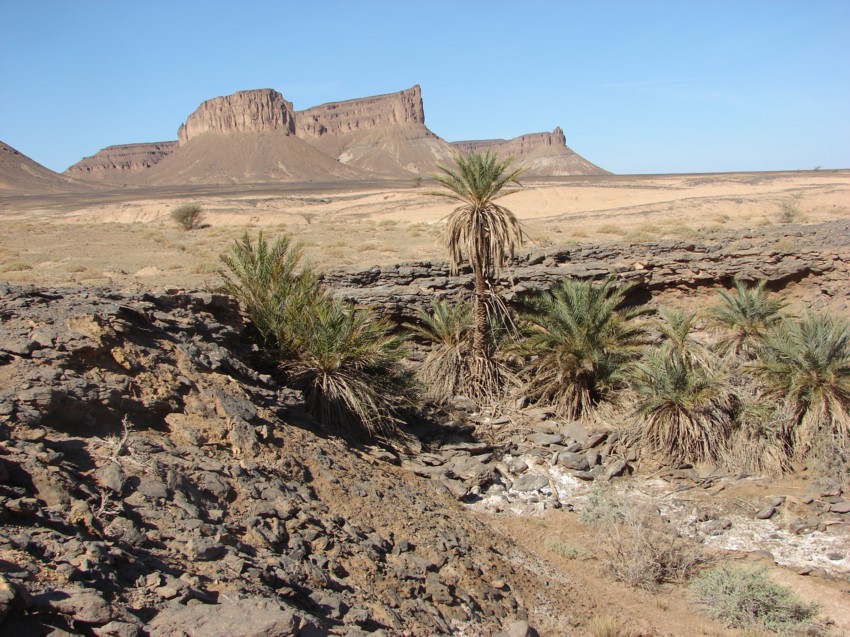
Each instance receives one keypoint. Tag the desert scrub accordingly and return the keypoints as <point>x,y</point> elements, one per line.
<point>634,543</point>
<point>567,551</point>
<point>188,216</point>
<point>746,598</point>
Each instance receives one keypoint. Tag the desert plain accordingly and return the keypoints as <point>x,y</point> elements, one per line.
<point>126,237</point>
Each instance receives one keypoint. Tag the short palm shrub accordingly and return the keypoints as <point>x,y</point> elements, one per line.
<point>271,283</point>
<point>347,363</point>
<point>805,364</point>
<point>677,332</point>
<point>345,360</point>
<point>746,598</point>
<point>685,410</point>
<point>580,341</point>
<point>744,318</point>
<point>188,216</point>
<point>447,370</point>
<point>758,442</point>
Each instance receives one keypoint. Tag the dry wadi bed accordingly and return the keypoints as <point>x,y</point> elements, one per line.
<point>127,237</point>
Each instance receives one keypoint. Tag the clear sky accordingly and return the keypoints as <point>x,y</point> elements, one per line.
<point>639,86</point>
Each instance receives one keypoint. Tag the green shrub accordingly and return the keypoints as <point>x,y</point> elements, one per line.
<point>188,216</point>
<point>743,598</point>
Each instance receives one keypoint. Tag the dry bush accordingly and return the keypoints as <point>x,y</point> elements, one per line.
<point>635,544</point>
<point>746,598</point>
<point>188,216</point>
<point>607,626</point>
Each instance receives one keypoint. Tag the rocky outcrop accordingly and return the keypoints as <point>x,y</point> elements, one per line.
<point>155,481</point>
<point>782,255</point>
<point>351,116</point>
<point>114,162</point>
<point>256,111</point>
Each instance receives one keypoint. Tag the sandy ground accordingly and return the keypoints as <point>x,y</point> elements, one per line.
<point>127,237</point>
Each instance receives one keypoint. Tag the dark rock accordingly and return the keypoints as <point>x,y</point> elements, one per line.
<point>575,461</point>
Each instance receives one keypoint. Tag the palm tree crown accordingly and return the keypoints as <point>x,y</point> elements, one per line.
<point>480,230</point>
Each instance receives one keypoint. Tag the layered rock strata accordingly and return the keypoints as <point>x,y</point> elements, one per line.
<point>352,116</point>
<point>780,254</point>
<point>539,154</point>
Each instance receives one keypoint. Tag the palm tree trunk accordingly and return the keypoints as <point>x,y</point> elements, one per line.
<point>479,337</point>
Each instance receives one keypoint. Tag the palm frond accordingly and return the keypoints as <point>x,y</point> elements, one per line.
<point>745,317</point>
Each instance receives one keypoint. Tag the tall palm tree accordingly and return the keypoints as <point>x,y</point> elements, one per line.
<point>479,230</point>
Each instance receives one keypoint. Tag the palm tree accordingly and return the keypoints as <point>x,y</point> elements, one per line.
<point>745,317</point>
<point>581,341</point>
<point>806,364</point>
<point>480,231</point>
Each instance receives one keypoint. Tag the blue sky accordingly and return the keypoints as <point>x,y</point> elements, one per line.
<point>637,86</point>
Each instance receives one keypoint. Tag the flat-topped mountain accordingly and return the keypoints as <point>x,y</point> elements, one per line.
<point>256,135</point>
<point>258,111</point>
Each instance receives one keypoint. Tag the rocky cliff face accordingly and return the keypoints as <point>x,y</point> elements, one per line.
<point>115,162</point>
<point>261,110</point>
<point>335,118</point>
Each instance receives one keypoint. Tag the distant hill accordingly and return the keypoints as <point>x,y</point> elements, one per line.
<point>257,136</point>
<point>540,154</point>
<point>19,173</point>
